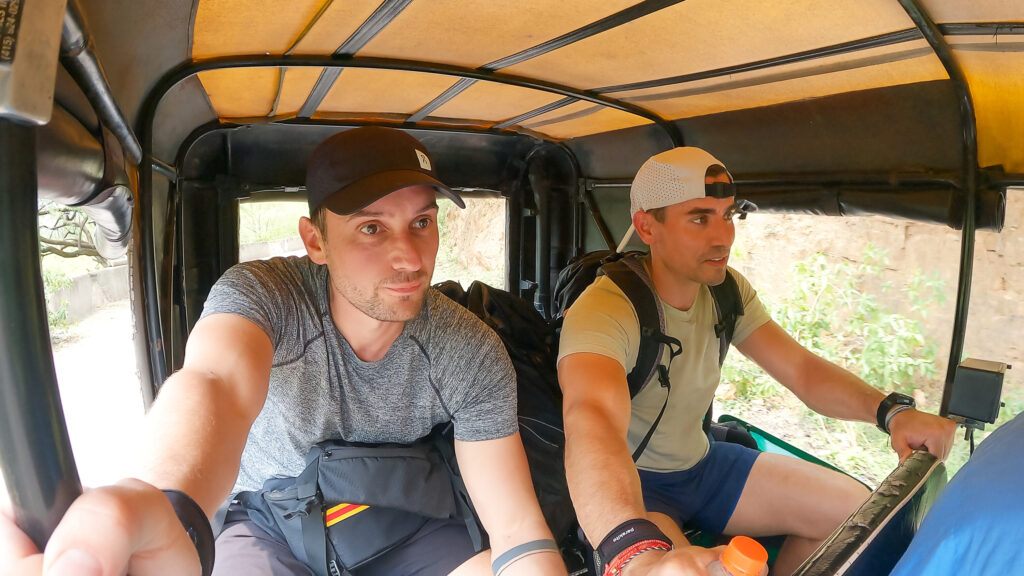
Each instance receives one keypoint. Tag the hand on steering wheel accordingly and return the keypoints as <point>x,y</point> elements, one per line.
<point>129,527</point>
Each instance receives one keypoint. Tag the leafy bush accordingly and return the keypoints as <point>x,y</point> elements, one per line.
<point>833,313</point>
<point>56,312</point>
<point>269,221</point>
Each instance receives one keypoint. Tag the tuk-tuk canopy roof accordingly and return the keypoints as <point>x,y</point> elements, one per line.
<point>634,62</point>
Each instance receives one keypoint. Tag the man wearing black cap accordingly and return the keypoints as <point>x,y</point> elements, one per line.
<point>349,342</point>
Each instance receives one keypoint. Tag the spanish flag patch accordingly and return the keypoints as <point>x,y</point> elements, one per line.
<point>341,512</point>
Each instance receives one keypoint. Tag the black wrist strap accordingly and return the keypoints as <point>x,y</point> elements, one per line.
<point>197,526</point>
<point>625,535</point>
<point>887,404</point>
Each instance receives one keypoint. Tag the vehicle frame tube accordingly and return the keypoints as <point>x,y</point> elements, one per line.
<point>35,451</point>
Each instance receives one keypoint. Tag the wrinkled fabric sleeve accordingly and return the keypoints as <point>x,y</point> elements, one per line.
<point>243,291</point>
<point>601,321</point>
<point>473,368</point>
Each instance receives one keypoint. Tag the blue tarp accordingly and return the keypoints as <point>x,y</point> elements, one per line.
<point>976,525</point>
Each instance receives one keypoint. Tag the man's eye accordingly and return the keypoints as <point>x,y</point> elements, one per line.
<point>422,223</point>
<point>369,229</point>
<point>700,220</point>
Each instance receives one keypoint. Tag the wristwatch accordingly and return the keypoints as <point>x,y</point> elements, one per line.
<point>893,400</point>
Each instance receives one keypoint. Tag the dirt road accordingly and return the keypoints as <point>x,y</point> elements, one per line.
<point>95,365</point>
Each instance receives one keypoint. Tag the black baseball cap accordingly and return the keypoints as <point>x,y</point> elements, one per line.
<point>355,168</point>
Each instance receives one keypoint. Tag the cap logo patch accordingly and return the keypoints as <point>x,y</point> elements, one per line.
<point>424,161</point>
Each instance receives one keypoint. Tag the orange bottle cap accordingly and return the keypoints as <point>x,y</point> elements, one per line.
<point>744,557</point>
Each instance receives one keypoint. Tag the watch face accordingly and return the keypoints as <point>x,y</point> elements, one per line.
<point>901,399</point>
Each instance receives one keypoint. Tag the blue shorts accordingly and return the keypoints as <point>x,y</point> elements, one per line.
<point>705,495</point>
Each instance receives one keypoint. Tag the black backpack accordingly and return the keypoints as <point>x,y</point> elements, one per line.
<point>628,273</point>
<point>532,346</point>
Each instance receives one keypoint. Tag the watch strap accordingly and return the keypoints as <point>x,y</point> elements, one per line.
<point>891,401</point>
<point>196,525</point>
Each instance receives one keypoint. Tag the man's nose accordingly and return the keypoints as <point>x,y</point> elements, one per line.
<point>405,254</point>
<point>723,232</point>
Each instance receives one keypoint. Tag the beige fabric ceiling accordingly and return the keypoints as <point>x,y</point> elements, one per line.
<point>886,66</point>
<point>494,102</point>
<point>711,38</point>
<point>695,36</point>
<point>472,34</point>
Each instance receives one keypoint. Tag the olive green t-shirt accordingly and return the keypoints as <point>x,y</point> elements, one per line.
<point>602,321</point>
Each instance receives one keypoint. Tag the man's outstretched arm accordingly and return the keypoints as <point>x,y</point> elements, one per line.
<point>835,392</point>
<point>197,429</point>
<point>194,438</point>
<point>497,477</point>
<point>602,477</point>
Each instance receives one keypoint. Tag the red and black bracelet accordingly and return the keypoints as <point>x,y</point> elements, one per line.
<point>618,564</point>
<point>627,541</point>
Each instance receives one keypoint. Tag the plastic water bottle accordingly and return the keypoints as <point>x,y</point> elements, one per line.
<point>742,557</point>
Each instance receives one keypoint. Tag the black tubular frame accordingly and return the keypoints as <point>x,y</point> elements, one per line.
<point>302,35</point>
<point>979,28</point>
<point>147,258</point>
<point>644,8</point>
<point>373,25</point>
<point>587,196</point>
<point>536,112</point>
<point>35,451</point>
<point>969,184</point>
<point>824,52</point>
<point>341,62</point>
<point>442,99</point>
<point>217,125</point>
<point>898,37</point>
<point>77,57</point>
<point>391,8</point>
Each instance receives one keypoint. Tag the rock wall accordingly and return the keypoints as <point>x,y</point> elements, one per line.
<point>90,291</point>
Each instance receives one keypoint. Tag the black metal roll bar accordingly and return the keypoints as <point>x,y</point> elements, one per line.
<point>35,451</point>
<point>969,183</point>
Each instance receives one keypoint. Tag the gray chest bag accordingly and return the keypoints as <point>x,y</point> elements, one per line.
<point>354,501</point>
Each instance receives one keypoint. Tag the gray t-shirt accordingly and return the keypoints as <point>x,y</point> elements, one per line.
<point>446,365</point>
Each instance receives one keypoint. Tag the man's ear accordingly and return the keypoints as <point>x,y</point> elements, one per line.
<point>311,239</point>
<point>642,223</point>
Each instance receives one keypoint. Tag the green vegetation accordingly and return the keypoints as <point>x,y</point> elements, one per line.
<point>56,312</point>
<point>67,250</point>
<point>472,242</point>
<point>269,221</point>
<point>833,313</point>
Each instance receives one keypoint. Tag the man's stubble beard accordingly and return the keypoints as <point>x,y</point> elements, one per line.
<point>372,304</point>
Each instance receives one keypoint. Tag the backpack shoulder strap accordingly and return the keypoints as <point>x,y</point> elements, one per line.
<point>314,533</point>
<point>442,437</point>
<point>629,275</point>
<point>648,312</point>
<point>728,308</point>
